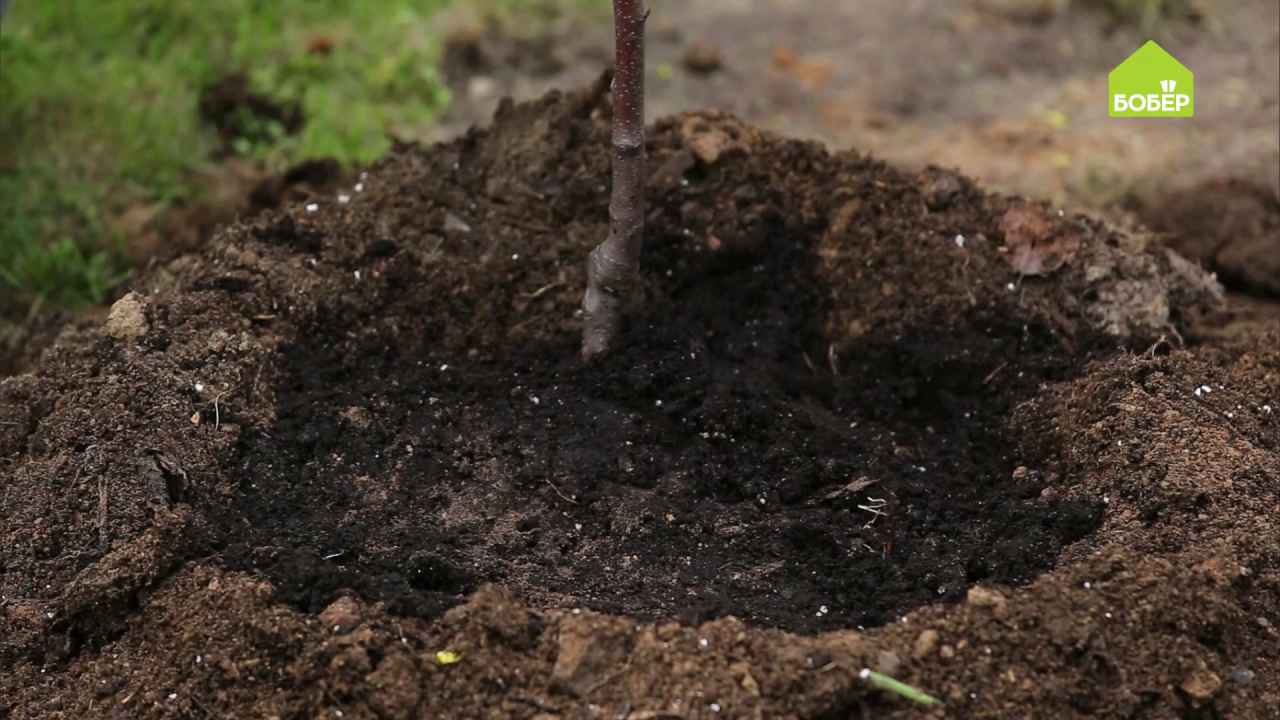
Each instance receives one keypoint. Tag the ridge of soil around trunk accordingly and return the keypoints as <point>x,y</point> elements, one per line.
<point>304,456</point>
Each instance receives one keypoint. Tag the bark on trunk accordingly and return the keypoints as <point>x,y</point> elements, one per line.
<point>612,266</point>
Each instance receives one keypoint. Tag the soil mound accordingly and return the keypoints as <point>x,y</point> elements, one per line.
<point>881,420</point>
<point>1230,226</point>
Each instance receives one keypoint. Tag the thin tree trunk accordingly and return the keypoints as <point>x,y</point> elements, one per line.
<point>612,266</point>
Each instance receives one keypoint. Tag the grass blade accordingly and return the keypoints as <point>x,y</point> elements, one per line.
<point>881,681</point>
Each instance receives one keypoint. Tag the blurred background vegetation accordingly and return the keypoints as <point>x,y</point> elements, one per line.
<point>107,107</point>
<point>102,110</point>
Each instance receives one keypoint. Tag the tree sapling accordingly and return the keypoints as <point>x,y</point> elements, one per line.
<point>612,266</point>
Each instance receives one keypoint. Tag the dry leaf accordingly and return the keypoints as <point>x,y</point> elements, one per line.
<point>1034,245</point>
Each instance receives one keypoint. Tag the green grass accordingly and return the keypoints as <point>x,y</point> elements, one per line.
<point>881,681</point>
<point>99,110</point>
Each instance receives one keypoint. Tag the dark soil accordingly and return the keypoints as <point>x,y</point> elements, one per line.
<point>25,332</point>
<point>294,466</point>
<point>1230,226</point>
<point>231,190</point>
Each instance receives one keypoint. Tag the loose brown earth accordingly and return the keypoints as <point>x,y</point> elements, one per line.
<point>845,431</point>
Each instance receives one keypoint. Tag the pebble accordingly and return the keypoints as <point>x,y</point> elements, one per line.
<point>127,319</point>
<point>1201,684</point>
<point>888,662</point>
<point>1242,676</point>
<point>925,644</point>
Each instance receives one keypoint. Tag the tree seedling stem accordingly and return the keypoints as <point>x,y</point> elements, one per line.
<point>613,265</point>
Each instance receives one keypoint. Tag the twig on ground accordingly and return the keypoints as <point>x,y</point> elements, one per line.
<point>542,290</point>
<point>536,704</point>
<point>80,468</point>
<point>992,375</point>
<point>104,500</point>
<point>217,411</point>
<point>253,391</point>
<point>564,497</point>
<point>875,506</point>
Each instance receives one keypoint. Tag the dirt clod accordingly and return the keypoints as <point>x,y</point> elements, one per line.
<point>926,643</point>
<point>703,58</point>
<point>987,598</point>
<point>342,615</point>
<point>127,319</point>
<point>589,651</point>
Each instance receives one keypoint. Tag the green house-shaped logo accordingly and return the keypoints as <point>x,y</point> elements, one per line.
<point>1152,83</point>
